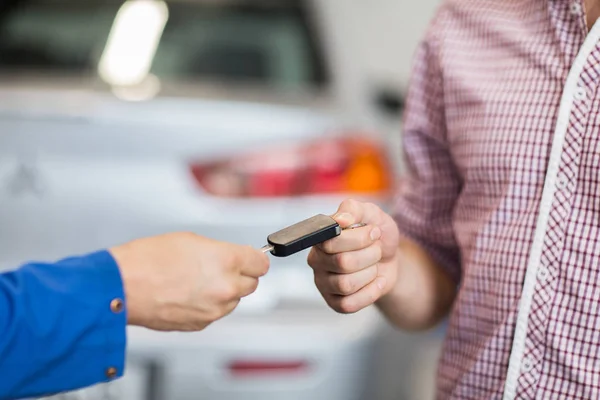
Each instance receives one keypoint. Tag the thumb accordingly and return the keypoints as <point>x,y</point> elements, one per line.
<point>349,212</point>
<point>255,263</point>
<point>344,219</point>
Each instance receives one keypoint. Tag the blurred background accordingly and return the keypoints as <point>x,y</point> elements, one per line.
<point>231,119</point>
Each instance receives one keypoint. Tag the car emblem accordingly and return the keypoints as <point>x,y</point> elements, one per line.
<point>25,180</point>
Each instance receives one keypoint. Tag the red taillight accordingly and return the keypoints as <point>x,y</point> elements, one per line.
<point>254,368</point>
<point>324,167</point>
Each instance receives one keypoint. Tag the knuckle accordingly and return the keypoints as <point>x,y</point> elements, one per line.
<point>227,292</point>
<point>347,305</point>
<point>339,260</point>
<point>344,262</point>
<point>254,285</point>
<point>364,240</point>
<point>328,246</point>
<point>344,284</point>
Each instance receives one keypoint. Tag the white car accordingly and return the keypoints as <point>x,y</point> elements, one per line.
<point>231,119</point>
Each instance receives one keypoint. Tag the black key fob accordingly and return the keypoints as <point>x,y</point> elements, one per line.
<point>302,235</point>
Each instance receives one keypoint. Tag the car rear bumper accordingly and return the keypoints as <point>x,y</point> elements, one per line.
<point>335,351</point>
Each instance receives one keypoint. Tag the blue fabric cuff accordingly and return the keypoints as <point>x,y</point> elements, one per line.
<point>110,340</point>
<point>60,327</point>
<point>115,323</point>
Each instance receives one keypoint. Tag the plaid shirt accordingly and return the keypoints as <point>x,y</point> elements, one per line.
<point>502,137</point>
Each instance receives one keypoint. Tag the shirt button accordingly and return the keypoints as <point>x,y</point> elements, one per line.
<point>580,93</point>
<point>576,8</point>
<point>562,182</point>
<point>527,365</point>
<point>542,274</point>
<point>111,372</point>
<point>116,306</point>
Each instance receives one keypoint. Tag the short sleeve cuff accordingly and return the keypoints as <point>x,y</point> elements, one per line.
<point>447,258</point>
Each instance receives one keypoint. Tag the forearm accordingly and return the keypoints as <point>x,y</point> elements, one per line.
<point>57,329</point>
<point>423,294</point>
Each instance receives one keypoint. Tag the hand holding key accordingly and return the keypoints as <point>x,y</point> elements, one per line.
<point>356,268</point>
<point>182,281</point>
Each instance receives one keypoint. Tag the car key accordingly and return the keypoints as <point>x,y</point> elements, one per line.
<point>303,235</point>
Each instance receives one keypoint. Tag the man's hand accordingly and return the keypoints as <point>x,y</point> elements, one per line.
<point>355,269</point>
<point>182,281</point>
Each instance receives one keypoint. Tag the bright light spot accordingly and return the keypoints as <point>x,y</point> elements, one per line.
<point>145,90</point>
<point>132,42</point>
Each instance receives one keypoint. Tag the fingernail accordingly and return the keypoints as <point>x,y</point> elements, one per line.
<point>343,216</point>
<point>381,282</point>
<point>375,233</point>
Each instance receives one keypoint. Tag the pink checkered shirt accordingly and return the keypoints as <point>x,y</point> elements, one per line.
<point>502,137</point>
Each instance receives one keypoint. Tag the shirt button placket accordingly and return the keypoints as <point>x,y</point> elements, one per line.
<point>562,182</point>
<point>580,93</point>
<point>576,9</point>
<point>527,365</point>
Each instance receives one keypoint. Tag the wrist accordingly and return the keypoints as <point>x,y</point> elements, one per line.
<point>422,294</point>
<point>126,266</point>
<point>392,269</point>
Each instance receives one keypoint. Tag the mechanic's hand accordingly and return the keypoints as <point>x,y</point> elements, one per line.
<point>182,281</point>
<point>355,269</point>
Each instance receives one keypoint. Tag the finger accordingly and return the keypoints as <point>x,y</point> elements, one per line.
<point>352,211</point>
<point>229,307</point>
<point>345,284</point>
<point>349,212</point>
<point>247,285</point>
<point>253,263</point>
<point>359,300</point>
<point>347,262</point>
<point>352,239</point>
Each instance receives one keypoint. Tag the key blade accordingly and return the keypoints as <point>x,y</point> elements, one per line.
<point>267,248</point>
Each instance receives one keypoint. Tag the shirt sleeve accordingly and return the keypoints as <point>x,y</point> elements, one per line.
<point>430,184</point>
<point>62,326</point>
